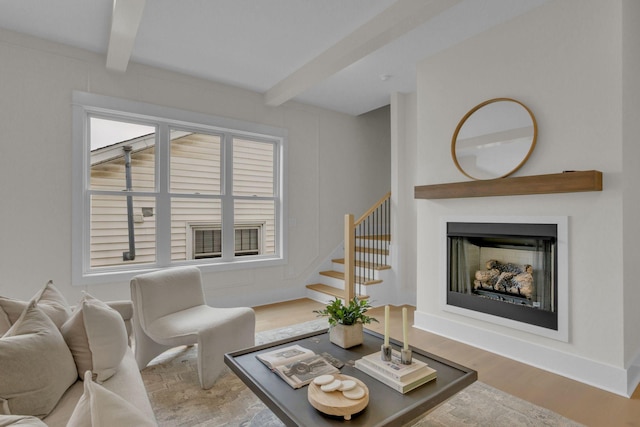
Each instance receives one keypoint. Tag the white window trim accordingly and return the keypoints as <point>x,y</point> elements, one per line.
<point>84,103</point>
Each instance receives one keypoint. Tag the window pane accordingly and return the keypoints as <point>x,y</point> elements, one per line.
<point>247,241</point>
<point>195,163</point>
<point>188,215</point>
<point>253,168</point>
<point>110,240</point>
<point>109,141</point>
<point>207,243</point>
<point>257,213</point>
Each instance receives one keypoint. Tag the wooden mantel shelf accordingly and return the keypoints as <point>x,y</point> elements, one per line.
<point>565,182</point>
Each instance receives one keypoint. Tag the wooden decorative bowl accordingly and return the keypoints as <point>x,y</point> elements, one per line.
<point>334,402</point>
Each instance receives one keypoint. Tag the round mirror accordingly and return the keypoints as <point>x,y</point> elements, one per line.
<point>494,139</point>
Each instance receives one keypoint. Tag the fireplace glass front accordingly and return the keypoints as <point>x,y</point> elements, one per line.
<point>504,269</point>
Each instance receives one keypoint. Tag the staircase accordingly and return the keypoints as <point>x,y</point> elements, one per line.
<point>366,254</point>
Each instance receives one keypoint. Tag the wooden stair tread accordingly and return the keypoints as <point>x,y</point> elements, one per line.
<point>364,264</point>
<point>340,275</point>
<point>330,290</point>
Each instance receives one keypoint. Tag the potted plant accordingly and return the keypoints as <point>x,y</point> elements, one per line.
<point>345,321</point>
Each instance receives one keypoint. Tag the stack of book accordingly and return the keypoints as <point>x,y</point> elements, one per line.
<point>400,377</point>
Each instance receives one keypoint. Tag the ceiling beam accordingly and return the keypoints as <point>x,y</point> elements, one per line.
<point>395,21</point>
<point>125,21</point>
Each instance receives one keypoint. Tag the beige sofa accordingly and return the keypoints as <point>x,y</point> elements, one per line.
<point>114,394</point>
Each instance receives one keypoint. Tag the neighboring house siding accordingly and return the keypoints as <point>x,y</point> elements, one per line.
<point>195,168</point>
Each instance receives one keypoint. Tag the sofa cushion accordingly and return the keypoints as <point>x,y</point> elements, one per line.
<point>99,407</point>
<point>36,365</point>
<point>49,299</point>
<point>97,337</point>
<point>20,420</point>
<point>126,383</point>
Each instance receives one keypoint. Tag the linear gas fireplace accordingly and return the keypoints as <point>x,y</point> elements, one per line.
<point>511,273</point>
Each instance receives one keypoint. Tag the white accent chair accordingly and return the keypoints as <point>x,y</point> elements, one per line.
<point>169,310</point>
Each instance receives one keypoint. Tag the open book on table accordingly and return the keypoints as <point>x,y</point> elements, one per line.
<point>297,365</point>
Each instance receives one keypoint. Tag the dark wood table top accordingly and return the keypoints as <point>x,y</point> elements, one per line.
<point>387,407</point>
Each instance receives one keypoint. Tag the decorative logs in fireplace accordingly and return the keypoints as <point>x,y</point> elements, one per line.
<point>506,277</point>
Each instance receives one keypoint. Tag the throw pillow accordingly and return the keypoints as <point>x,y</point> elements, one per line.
<point>36,366</point>
<point>5,324</point>
<point>20,420</point>
<point>99,407</point>
<point>97,337</point>
<point>49,299</point>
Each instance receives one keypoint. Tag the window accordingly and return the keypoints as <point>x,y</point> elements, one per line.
<point>247,241</point>
<point>158,187</point>
<point>207,241</point>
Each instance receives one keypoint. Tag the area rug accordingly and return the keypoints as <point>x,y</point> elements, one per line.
<point>177,399</point>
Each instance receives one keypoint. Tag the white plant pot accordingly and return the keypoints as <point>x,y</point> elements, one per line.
<point>346,336</point>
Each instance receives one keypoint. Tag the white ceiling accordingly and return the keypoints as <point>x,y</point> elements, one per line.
<point>329,53</point>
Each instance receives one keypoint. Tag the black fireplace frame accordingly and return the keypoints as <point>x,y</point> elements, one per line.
<point>516,312</point>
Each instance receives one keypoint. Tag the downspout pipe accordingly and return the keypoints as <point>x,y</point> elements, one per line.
<point>131,255</point>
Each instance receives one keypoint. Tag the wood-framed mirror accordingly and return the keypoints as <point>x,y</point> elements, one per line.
<point>494,139</point>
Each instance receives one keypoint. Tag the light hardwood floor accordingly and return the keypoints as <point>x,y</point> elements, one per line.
<point>577,401</point>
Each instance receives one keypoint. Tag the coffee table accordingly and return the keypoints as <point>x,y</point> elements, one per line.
<point>387,407</point>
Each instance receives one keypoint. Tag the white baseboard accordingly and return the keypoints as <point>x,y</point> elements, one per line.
<point>610,378</point>
<point>633,375</point>
<point>253,298</point>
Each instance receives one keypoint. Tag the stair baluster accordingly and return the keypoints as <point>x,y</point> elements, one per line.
<point>372,231</point>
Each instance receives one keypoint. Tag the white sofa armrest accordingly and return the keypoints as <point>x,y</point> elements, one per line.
<point>125,308</point>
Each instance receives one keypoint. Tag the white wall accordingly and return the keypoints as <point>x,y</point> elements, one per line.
<point>631,178</point>
<point>564,61</point>
<point>337,164</point>
<point>403,180</point>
